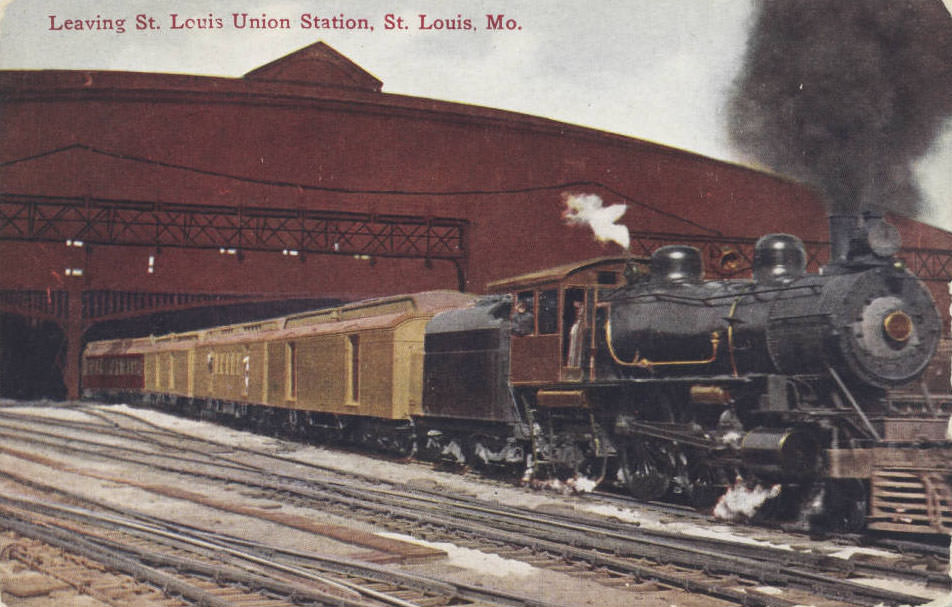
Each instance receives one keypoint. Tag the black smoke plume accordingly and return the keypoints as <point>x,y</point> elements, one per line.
<point>846,95</point>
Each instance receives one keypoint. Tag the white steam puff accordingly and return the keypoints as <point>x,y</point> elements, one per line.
<point>587,209</point>
<point>742,502</point>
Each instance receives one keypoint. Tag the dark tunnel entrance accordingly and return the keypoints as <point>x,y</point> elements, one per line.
<point>31,356</point>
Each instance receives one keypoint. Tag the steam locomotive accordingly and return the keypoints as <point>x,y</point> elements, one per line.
<point>629,371</point>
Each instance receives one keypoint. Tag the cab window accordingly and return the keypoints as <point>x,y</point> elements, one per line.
<point>523,314</point>
<point>548,312</point>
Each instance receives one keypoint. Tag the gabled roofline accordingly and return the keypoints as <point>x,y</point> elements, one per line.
<point>293,68</point>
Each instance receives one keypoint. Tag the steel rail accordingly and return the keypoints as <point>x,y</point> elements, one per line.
<point>206,545</point>
<point>70,543</point>
<point>220,544</point>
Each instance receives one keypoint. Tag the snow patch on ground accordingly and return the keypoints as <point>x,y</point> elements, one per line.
<point>723,533</point>
<point>625,515</point>
<point>467,558</point>
<point>716,532</point>
<point>848,553</point>
<point>909,588</point>
<point>573,486</point>
<point>52,410</point>
<point>945,601</point>
<point>939,598</point>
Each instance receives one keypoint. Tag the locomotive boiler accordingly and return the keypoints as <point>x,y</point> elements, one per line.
<point>628,371</point>
<point>865,317</point>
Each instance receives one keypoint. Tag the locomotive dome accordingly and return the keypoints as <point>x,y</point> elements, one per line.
<point>677,264</point>
<point>779,257</point>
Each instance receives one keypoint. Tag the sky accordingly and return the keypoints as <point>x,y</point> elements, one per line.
<point>659,71</point>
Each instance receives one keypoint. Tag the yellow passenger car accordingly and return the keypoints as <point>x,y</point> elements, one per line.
<point>358,360</point>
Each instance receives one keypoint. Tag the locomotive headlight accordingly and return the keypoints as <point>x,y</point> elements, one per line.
<point>898,326</point>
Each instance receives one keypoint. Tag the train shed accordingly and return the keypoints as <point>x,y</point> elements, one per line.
<point>130,193</point>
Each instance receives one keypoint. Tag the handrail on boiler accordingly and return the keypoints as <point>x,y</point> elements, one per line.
<point>647,364</point>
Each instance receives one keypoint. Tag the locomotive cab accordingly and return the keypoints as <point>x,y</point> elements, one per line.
<point>553,318</point>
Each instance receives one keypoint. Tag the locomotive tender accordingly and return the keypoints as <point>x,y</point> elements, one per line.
<point>631,371</point>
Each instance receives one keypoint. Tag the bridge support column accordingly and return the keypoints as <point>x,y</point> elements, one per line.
<point>74,329</point>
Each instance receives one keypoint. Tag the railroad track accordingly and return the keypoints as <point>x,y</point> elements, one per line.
<point>612,553</point>
<point>154,433</point>
<point>933,551</point>
<point>209,569</point>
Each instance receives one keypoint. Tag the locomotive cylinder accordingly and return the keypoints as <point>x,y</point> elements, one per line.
<point>780,453</point>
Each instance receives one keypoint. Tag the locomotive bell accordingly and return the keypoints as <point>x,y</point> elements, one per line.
<point>779,258</point>
<point>677,264</point>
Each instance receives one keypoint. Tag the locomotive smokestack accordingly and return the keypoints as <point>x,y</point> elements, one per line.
<point>868,237</point>
<point>842,230</point>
